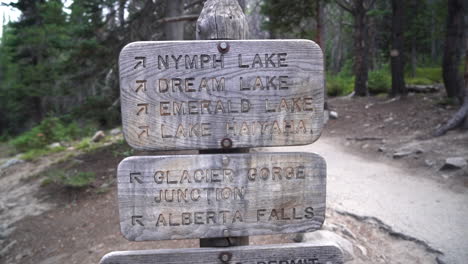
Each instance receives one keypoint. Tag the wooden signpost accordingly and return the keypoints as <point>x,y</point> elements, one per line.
<point>222,97</point>
<point>206,196</point>
<point>221,94</point>
<point>270,254</point>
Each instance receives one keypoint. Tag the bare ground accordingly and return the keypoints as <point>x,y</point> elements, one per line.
<point>80,226</point>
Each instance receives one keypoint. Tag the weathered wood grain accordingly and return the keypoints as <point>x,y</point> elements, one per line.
<point>270,254</point>
<point>222,19</point>
<point>258,93</point>
<point>222,195</point>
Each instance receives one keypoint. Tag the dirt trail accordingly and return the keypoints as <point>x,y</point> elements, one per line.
<point>406,202</point>
<point>82,226</point>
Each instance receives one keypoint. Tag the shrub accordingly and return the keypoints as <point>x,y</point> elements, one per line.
<point>339,85</point>
<point>98,109</point>
<point>418,81</point>
<point>50,130</point>
<point>68,179</point>
<point>380,81</point>
<point>36,153</point>
<point>433,74</point>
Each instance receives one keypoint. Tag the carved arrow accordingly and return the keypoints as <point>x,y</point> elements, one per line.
<point>141,61</point>
<point>143,107</point>
<point>133,177</point>
<point>144,130</point>
<point>142,84</point>
<point>135,220</point>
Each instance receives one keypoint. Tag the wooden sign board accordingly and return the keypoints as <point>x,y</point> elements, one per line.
<point>221,94</point>
<point>270,254</point>
<point>221,195</point>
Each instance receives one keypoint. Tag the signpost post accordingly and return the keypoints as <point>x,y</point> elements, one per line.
<point>222,96</point>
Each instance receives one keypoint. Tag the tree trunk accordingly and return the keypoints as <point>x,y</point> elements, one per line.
<point>453,48</point>
<point>461,116</point>
<point>414,60</point>
<point>122,12</point>
<point>174,30</point>
<point>319,25</point>
<point>242,4</point>
<point>361,49</point>
<point>397,53</point>
<point>222,19</point>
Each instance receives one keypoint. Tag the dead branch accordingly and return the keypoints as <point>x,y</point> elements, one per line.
<point>177,19</point>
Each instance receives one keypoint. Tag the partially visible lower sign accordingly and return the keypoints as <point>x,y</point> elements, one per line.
<point>270,254</point>
<point>223,195</point>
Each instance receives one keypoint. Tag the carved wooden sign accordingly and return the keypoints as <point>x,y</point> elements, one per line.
<point>221,195</point>
<point>221,94</point>
<point>270,254</point>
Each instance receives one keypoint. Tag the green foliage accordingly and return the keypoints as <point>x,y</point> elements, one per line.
<point>51,61</point>
<point>50,130</point>
<point>380,81</point>
<point>99,110</point>
<point>418,81</point>
<point>433,74</point>
<point>69,179</point>
<point>287,18</point>
<point>339,85</point>
<point>37,153</point>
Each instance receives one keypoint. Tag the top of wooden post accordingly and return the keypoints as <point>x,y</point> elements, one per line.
<point>222,19</point>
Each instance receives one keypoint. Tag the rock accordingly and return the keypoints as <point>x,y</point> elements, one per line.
<point>7,248</point>
<point>98,136</point>
<point>454,163</point>
<point>116,131</point>
<point>333,115</point>
<point>363,250</point>
<point>54,145</point>
<point>422,88</point>
<point>324,237</point>
<point>388,119</point>
<point>326,116</point>
<point>406,152</point>
<point>71,148</point>
<point>446,176</point>
<point>402,153</point>
<point>382,149</point>
<point>348,232</point>
<point>429,162</point>
<point>10,163</point>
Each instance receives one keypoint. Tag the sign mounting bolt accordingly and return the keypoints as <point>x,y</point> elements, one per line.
<point>226,143</point>
<point>223,47</point>
<point>225,257</point>
<point>225,160</point>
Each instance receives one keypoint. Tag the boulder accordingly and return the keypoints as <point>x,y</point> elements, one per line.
<point>55,145</point>
<point>98,136</point>
<point>10,163</point>
<point>333,115</point>
<point>454,163</point>
<point>116,131</point>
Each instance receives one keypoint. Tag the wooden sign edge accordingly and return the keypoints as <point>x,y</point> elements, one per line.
<point>109,257</point>
<point>321,118</point>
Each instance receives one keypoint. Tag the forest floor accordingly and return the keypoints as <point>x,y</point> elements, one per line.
<point>48,224</point>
